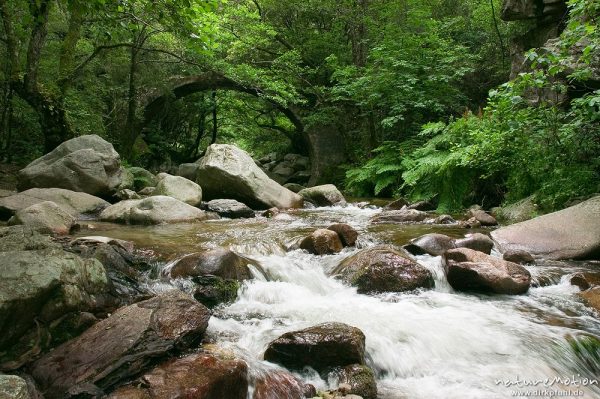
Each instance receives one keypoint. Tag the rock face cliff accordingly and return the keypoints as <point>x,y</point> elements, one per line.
<point>548,20</point>
<point>549,17</point>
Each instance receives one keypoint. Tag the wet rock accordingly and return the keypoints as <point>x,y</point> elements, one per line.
<point>399,217</point>
<point>422,206</point>
<point>347,233</point>
<point>121,346</point>
<point>444,219</point>
<point>356,379</point>
<point>22,238</point>
<point>179,188</point>
<point>321,347</point>
<point>13,387</point>
<point>271,212</point>
<point>470,270</point>
<point>322,242</point>
<point>152,210</point>
<point>573,233</point>
<point>397,204</point>
<point>229,172</point>
<point>518,256</point>
<point>197,376</point>
<point>45,217</point>
<point>72,202</point>
<point>229,208</point>
<point>42,286</point>
<point>383,269</point>
<point>592,298</point>
<point>294,187</point>
<point>476,241</point>
<point>433,244</point>
<point>482,217</point>
<point>189,171</point>
<point>87,163</point>
<point>220,262</point>
<point>325,195</point>
<point>281,385</point>
<point>586,280</point>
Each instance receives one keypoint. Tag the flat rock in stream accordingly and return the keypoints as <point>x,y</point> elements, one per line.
<point>383,269</point>
<point>401,216</point>
<point>74,203</point>
<point>152,210</point>
<point>196,376</point>
<point>321,347</point>
<point>573,233</point>
<point>121,346</point>
<point>470,270</point>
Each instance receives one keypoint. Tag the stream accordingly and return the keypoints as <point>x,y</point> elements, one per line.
<point>434,343</point>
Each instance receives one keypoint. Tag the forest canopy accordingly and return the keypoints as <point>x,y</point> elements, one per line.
<point>454,101</point>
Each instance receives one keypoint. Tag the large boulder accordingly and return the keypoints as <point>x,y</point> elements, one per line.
<point>229,172</point>
<point>179,188</point>
<point>189,171</point>
<point>40,286</point>
<point>121,346</point>
<point>383,269</point>
<point>74,203</point>
<point>229,208</point>
<point>86,163</point>
<point>13,387</point>
<point>470,270</point>
<point>321,347</point>
<point>45,217</point>
<point>325,195</point>
<point>402,216</point>
<point>196,376</point>
<point>23,238</point>
<point>152,210</point>
<point>322,242</point>
<point>573,233</point>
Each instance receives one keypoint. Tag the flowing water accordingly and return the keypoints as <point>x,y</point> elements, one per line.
<point>428,344</point>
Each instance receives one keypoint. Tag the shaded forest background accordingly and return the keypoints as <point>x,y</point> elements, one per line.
<point>430,97</point>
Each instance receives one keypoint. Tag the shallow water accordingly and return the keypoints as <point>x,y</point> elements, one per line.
<point>426,344</point>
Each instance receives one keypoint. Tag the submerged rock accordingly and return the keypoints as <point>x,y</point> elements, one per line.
<point>325,195</point>
<point>179,188</point>
<point>573,233</point>
<point>229,208</point>
<point>45,217</point>
<point>470,270</point>
<point>196,376</point>
<point>87,163</point>
<point>400,217</point>
<point>229,172</point>
<point>383,269</point>
<point>152,210</point>
<point>322,242</point>
<point>121,346</point>
<point>72,202</point>
<point>321,347</point>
